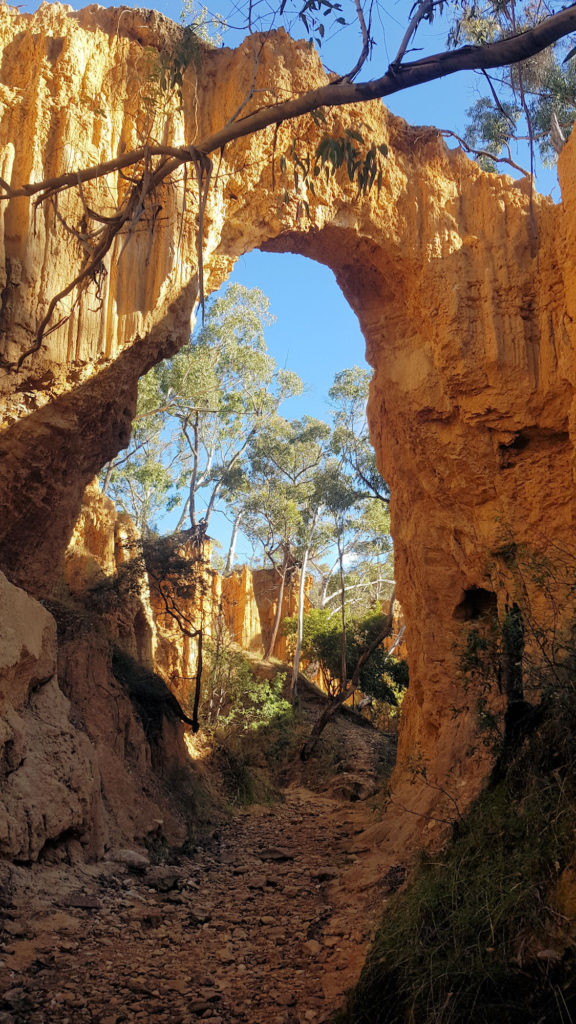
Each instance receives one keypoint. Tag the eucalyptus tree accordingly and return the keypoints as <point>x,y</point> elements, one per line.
<point>198,413</point>
<point>282,508</point>
<point>357,497</point>
<point>351,436</point>
<point>368,561</point>
<point>534,100</point>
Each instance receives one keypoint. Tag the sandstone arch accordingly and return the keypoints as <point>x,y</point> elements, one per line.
<point>462,286</point>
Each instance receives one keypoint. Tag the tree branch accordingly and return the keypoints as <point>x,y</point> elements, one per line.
<point>405,76</point>
<point>399,76</point>
<point>366,43</point>
<point>484,152</point>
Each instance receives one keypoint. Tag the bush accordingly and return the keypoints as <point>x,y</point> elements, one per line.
<point>462,943</point>
<point>382,677</point>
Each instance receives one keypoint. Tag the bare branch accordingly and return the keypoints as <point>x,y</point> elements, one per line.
<point>355,586</point>
<point>423,11</point>
<point>484,152</point>
<point>366,43</point>
<point>496,99</point>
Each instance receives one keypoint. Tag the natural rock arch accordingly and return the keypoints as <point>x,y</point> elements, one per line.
<point>462,286</point>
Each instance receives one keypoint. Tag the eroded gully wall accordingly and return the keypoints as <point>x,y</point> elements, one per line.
<point>465,294</point>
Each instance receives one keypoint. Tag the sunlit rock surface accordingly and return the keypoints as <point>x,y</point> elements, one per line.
<point>463,284</point>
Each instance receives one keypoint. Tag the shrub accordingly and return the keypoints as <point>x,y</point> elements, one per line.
<point>383,677</point>
<point>477,937</point>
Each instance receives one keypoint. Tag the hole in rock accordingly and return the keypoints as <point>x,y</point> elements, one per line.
<point>476,603</point>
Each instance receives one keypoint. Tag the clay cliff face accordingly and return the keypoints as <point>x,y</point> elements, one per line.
<point>105,546</point>
<point>465,291</point>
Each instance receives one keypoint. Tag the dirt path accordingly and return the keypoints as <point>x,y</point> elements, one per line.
<point>256,929</point>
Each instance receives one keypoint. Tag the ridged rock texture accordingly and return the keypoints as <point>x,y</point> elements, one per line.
<point>464,286</point>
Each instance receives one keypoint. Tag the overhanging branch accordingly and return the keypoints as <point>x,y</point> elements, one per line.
<point>398,77</point>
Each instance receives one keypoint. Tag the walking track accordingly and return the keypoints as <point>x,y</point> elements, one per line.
<point>258,928</point>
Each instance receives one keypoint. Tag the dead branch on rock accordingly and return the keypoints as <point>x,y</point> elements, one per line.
<point>447,134</point>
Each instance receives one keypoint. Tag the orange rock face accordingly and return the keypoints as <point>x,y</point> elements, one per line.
<point>465,291</point>
<point>158,632</point>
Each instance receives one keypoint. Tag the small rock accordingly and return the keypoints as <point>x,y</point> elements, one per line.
<point>199,915</point>
<point>549,954</point>
<point>312,947</point>
<point>277,853</point>
<point>285,998</point>
<point>163,878</point>
<point>68,947</point>
<point>132,858</point>
<point>257,882</point>
<point>82,902</point>
<point>18,929</point>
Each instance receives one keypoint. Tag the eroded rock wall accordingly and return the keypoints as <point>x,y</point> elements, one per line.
<point>464,287</point>
<point>49,778</point>
<point>105,564</point>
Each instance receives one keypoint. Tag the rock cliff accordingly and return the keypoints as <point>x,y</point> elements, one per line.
<point>464,286</point>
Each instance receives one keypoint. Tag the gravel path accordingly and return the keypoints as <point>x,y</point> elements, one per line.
<point>257,928</point>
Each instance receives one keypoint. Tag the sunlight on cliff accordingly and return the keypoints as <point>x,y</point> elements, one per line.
<point>196,745</point>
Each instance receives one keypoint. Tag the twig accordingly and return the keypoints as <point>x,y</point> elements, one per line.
<point>366,43</point>
<point>484,152</point>
<point>496,99</point>
<point>423,12</point>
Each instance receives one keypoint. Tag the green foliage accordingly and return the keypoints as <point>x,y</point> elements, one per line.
<point>235,701</point>
<point>535,99</point>
<point>477,936</point>
<point>350,439</point>
<point>462,943</point>
<point>362,162</point>
<point>382,677</point>
<point>255,732</point>
<point>173,63</point>
<point>365,169</point>
<point>259,705</point>
<point>201,28</point>
<point>310,12</point>
<point>198,412</point>
<point>250,703</point>
<point>491,127</point>
<point>556,98</point>
<point>284,460</point>
<point>206,26</point>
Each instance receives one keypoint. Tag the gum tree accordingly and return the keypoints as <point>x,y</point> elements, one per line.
<point>198,413</point>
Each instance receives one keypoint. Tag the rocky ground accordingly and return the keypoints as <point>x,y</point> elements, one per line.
<point>267,923</point>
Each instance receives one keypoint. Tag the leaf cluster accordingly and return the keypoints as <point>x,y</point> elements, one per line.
<point>381,676</point>
<point>538,94</point>
<point>362,162</point>
<point>310,15</point>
